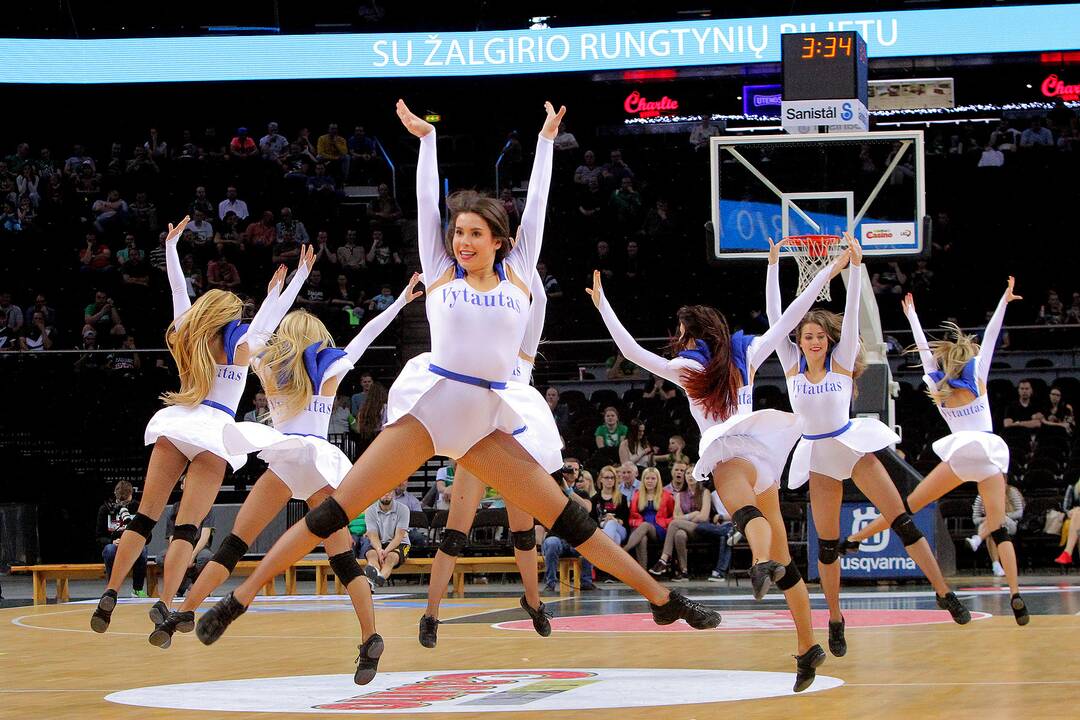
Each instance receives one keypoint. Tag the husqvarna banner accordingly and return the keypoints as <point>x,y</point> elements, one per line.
<point>882,557</point>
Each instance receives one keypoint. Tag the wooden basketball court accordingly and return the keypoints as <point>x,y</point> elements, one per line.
<point>905,660</point>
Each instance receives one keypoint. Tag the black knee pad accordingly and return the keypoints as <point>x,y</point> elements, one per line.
<point>231,550</point>
<point>523,539</point>
<point>326,519</point>
<point>907,508</point>
<point>828,551</point>
<point>574,525</point>
<point>904,526</point>
<point>142,525</point>
<point>791,578</point>
<point>345,567</point>
<point>1001,535</point>
<point>744,515</point>
<point>187,533</point>
<point>453,542</point>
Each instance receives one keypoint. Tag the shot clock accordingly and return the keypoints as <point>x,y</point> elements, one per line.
<point>824,66</point>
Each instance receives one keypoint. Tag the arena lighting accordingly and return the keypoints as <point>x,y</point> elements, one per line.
<point>539,22</point>
<point>657,74</point>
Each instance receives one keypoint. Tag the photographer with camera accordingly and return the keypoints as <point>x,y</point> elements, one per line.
<point>101,316</point>
<point>555,547</point>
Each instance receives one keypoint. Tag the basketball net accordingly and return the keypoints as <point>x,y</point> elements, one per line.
<point>813,253</point>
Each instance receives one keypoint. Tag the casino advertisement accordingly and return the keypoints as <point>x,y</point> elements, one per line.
<point>883,556</point>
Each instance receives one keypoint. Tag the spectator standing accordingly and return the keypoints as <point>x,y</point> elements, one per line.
<point>112,519</point>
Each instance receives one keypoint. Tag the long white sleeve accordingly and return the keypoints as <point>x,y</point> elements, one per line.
<point>537,313</point>
<point>526,252</point>
<point>990,338</point>
<point>766,344</point>
<point>276,305</point>
<point>434,259</point>
<point>788,352</point>
<point>181,303</point>
<point>363,339</point>
<point>668,369</point>
<point>847,349</point>
<point>921,343</point>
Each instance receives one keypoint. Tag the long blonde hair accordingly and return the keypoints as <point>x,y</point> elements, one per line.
<point>616,495</point>
<point>656,496</point>
<point>192,344</point>
<point>281,365</point>
<point>951,355</point>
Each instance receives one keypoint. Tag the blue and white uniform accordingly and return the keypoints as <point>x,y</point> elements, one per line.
<point>763,437</point>
<point>832,441</point>
<point>198,428</point>
<point>462,390</point>
<point>296,448</point>
<point>973,451</point>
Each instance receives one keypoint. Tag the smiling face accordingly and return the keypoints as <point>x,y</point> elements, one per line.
<point>814,342</point>
<point>473,243</point>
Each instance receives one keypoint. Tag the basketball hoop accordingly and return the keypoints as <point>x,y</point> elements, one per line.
<point>813,253</point>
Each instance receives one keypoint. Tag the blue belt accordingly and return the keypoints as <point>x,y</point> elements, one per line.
<point>520,430</point>
<point>467,379</point>
<point>832,434</point>
<point>223,408</point>
<point>306,435</point>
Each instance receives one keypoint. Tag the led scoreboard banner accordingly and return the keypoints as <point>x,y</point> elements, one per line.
<point>824,81</point>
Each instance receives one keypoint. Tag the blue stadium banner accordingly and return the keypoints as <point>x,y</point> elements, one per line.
<point>882,557</point>
<point>728,41</point>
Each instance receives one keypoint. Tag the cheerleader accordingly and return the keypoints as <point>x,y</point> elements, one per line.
<point>821,371</point>
<point>211,348</point>
<point>468,490</point>
<point>956,372</point>
<point>300,370</point>
<point>463,405</point>
<point>744,450</point>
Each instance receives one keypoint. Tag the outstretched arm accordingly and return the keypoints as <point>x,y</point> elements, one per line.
<point>434,259</point>
<point>526,252</point>
<point>847,348</point>
<point>277,303</point>
<point>537,313</point>
<point>921,343</point>
<point>993,330</point>
<point>668,369</point>
<point>788,352</point>
<point>766,344</point>
<point>177,285</point>
<point>380,322</point>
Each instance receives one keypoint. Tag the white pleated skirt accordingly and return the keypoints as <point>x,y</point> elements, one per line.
<point>305,463</point>
<point>763,438</point>
<point>458,415</point>
<point>974,455</point>
<point>193,430</point>
<point>835,457</point>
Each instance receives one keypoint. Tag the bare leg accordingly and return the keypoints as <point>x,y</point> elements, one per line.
<point>394,455</point>
<point>939,482</point>
<point>499,461</point>
<point>389,563</point>
<point>797,596</point>
<point>871,477</point>
<point>1074,530</point>
<point>734,481</point>
<point>467,492</point>
<point>521,521</point>
<point>992,490</point>
<point>992,549</point>
<point>359,591</point>
<point>166,464</point>
<point>264,501</point>
<point>201,486</point>
<point>669,540</point>
<point>826,495</point>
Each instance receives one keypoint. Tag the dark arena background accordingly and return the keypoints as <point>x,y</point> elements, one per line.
<point>943,135</point>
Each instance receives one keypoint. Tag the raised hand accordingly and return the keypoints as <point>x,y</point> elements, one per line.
<point>1009,294</point>
<point>597,290</point>
<point>278,279</point>
<point>552,121</point>
<point>412,122</point>
<point>840,263</point>
<point>307,256</point>
<point>855,248</point>
<point>774,250</point>
<point>409,293</point>
<point>176,230</point>
<point>908,303</point>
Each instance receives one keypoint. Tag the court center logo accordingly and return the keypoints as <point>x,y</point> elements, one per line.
<point>471,691</point>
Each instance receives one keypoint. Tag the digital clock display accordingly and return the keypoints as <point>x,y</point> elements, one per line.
<point>824,65</point>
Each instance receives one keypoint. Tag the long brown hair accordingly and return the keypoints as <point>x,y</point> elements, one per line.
<point>833,324</point>
<point>191,345</point>
<point>716,387</point>
<point>488,208</point>
<point>367,421</point>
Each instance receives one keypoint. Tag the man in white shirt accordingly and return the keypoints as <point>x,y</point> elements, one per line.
<point>201,227</point>
<point>232,203</point>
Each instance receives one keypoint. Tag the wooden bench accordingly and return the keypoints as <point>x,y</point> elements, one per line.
<point>569,572</point>
<point>61,573</point>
